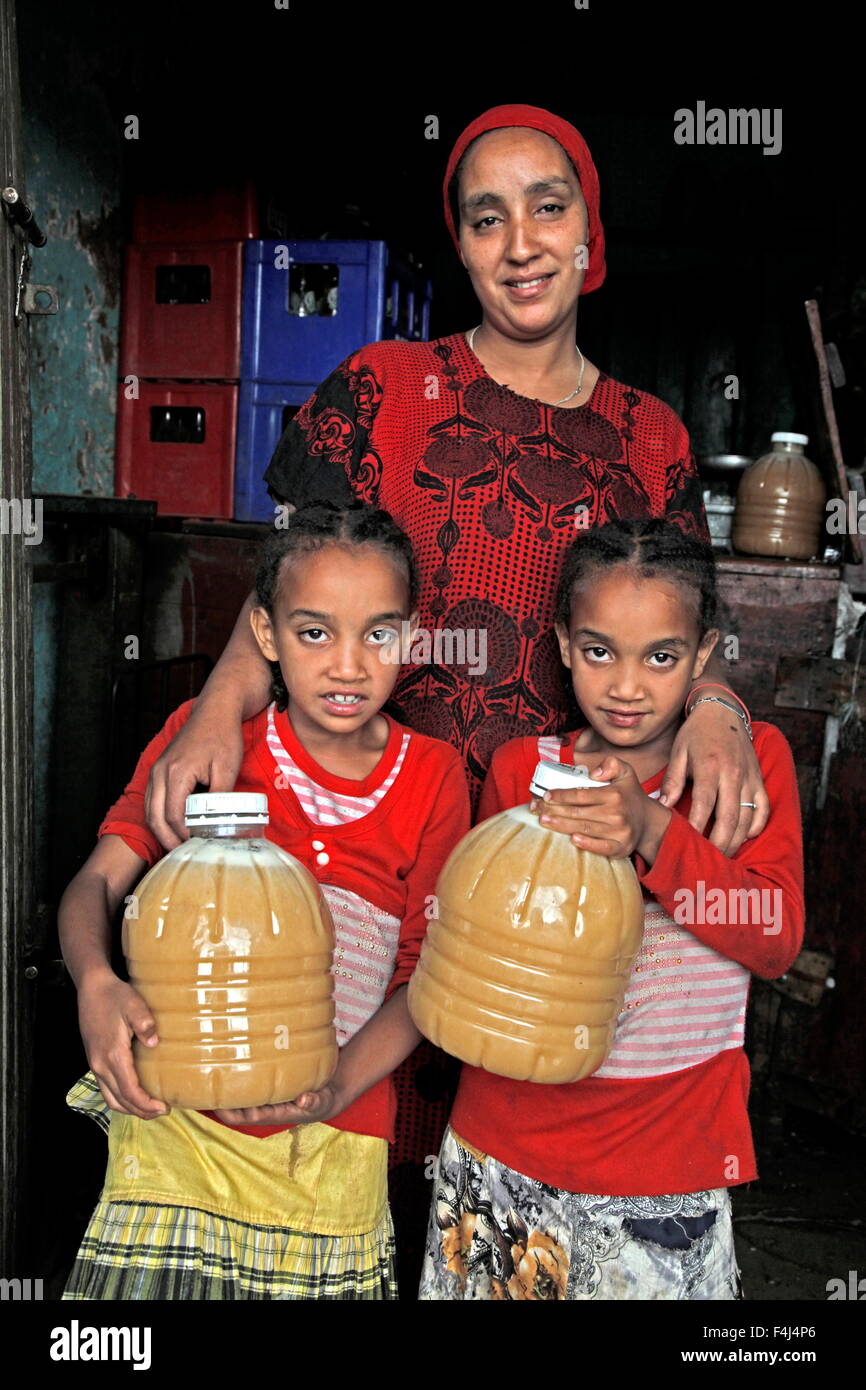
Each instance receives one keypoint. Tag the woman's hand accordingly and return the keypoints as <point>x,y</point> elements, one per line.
<point>110,1014</point>
<point>208,749</point>
<point>615,820</point>
<point>310,1108</point>
<point>713,749</point>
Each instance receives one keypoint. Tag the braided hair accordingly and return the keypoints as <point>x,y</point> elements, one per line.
<point>652,548</point>
<point>313,527</point>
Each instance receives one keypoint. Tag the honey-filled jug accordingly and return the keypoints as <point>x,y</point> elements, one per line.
<point>524,970</point>
<point>229,941</point>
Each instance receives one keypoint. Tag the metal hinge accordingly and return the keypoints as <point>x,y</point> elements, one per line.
<point>30,297</point>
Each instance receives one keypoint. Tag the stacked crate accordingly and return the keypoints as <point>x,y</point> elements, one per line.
<point>180,350</point>
<point>307,305</point>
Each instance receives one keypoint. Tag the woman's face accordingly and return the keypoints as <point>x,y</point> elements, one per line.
<point>523,230</point>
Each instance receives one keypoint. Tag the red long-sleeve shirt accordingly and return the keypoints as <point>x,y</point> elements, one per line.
<point>377,865</point>
<point>667,1111</point>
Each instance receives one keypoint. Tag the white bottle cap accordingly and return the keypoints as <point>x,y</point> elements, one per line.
<point>548,775</point>
<point>226,808</point>
<point>784,437</point>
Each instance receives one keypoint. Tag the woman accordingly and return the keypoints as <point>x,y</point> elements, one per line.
<point>490,448</point>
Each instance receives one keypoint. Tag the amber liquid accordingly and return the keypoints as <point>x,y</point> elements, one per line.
<point>232,951</point>
<point>524,971</point>
<point>780,507</point>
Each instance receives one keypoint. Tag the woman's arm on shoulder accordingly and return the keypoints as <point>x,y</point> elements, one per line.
<point>712,749</point>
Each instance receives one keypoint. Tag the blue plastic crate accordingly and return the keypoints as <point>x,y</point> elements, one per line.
<point>308,304</point>
<point>264,410</point>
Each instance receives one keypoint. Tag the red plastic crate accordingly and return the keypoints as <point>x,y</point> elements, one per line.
<point>182,311</point>
<point>176,445</point>
<point>226,213</point>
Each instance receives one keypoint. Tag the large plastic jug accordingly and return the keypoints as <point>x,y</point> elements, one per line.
<point>524,970</point>
<point>229,940</point>
<point>781,502</point>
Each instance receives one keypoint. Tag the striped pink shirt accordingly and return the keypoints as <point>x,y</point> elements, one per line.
<point>366,936</point>
<point>684,1001</point>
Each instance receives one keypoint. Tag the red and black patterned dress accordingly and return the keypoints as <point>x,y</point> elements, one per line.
<point>491,487</point>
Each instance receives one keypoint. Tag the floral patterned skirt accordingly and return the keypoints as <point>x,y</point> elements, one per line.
<point>496,1234</point>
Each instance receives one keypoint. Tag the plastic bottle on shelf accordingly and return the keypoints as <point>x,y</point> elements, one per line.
<point>524,970</point>
<point>229,940</point>
<point>781,502</point>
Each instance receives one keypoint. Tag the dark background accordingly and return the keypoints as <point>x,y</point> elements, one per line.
<point>711,250</point>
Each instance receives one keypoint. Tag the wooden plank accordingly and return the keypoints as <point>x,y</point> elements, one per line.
<point>772,614</point>
<point>16,696</point>
<point>832,1051</point>
<point>831,429</point>
<point>807,978</point>
<point>820,683</point>
<point>783,569</point>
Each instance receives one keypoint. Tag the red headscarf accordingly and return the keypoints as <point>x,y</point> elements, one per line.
<point>571,140</point>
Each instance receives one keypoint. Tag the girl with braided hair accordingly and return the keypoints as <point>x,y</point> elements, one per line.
<point>617,1186</point>
<point>283,1201</point>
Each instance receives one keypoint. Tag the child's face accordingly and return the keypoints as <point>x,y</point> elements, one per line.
<point>634,649</point>
<point>337,615</point>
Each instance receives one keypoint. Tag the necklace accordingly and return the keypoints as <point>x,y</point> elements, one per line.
<point>578,388</point>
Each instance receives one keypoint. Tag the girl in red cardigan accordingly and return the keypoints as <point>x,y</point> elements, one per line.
<point>284,1201</point>
<point>616,1186</point>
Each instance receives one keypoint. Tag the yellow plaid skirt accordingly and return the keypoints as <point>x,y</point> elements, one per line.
<point>191,1209</point>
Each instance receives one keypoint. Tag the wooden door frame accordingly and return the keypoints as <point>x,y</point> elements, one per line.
<point>16,690</point>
